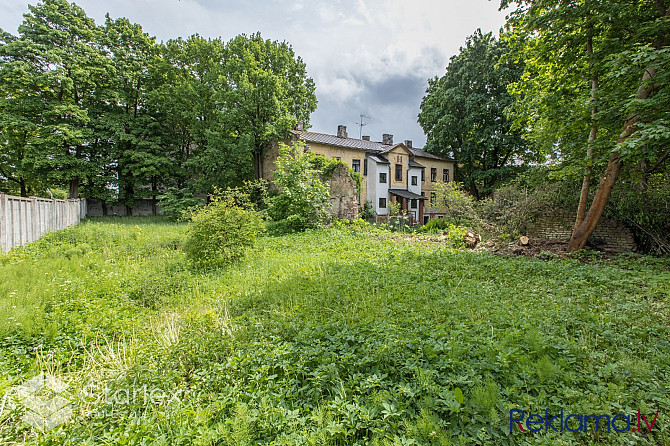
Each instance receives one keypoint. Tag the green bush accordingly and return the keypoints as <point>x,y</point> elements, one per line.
<point>436,224</point>
<point>303,196</point>
<point>369,213</point>
<point>174,202</point>
<point>221,232</point>
<point>289,225</point>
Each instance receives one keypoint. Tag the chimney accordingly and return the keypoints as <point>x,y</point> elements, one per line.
<point>387,139</point>
<point>300,126</point>
<point>341,131</point>
<point>365,138</point>
<point>408,143</point>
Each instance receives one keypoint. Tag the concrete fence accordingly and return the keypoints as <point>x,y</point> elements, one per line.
<point>24,220</point>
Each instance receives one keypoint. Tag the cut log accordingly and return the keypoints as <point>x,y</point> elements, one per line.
<point>471,238</point>
<point>523,241</point>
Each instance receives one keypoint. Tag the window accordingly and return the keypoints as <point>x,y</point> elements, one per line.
<point>398,172</point>
<point>423,174</point>
<point>382,177</point>
<point>433,198</point>
<point>433,174</point>
<point>382,203</point>
<point>415,203</point>
<point>445,175</point>
<point>426,218</point>
<point>365,167</point>
<point>356,165</point>
<point>415,180</point>
<point>338,158</point>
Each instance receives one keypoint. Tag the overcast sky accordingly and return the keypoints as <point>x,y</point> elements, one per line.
<point>365,56</point>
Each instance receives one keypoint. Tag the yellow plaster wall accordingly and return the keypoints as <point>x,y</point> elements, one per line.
<point>398,155</point>
<point>427,186</point>
<point>346,156</point>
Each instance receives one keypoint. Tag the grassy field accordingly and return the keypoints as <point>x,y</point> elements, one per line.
<point>327,337</point>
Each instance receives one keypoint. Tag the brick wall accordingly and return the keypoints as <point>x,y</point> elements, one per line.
<point>609,234</point>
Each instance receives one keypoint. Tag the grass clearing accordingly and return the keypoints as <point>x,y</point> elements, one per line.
<point>327,337</point>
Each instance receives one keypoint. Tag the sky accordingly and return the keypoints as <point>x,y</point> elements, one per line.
<point>370,57</point>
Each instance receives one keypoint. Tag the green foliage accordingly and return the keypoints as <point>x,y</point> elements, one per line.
<point>221,232</point>
<point>174,202</point>
<point>435,225</point>
<point>459,206</point>
<point>107,110</point>
<point>303,196</point>
<point>464,114</point>
<point>394,208</point>
<point>643,204</point>
<point>369,213</point>
<point>266,91</point>
<point>328,337</point>
<point>607,70</point>
<point>454,233</point>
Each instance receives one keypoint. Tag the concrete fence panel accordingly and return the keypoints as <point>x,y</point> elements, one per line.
<point>23,220</point>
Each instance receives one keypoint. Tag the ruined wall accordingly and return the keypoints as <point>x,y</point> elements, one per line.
<point>343,194</point>
<point>98,208</point>
<point>609,234</point>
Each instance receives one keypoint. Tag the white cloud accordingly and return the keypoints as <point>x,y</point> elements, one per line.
<point>359,52</point>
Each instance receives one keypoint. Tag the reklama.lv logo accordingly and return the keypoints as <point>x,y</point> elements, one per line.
<point>578,423</point>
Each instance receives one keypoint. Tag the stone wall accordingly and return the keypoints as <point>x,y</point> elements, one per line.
<point>609,235</point>
<point>98,208</point>
<point>343,194</point>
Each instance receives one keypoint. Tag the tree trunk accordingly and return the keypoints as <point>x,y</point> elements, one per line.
<point>74,188</point>
<point>24,189</point>
<point>584,231</point>
<point>473,190</point>
<point>586,184</point>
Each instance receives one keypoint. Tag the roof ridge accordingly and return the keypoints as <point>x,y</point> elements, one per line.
<point>363,144</point>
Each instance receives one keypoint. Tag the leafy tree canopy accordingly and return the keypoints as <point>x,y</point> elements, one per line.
<point>464,114</point>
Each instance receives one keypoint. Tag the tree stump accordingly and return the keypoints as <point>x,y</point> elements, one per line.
<point>524,241</point>
<point>471,238</point>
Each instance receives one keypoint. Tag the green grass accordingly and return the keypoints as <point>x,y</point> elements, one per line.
<point>327,337</point>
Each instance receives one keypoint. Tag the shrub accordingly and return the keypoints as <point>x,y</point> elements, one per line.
<point>174,202</point>
<point>436,224</point>
<point>303,196</point>
<point>459,207</point>
<point>221,232</point>
<point>369,213</point>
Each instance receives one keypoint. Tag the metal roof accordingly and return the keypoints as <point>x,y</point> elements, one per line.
<point>404,193</point>
<point>378,158</point>
<point>361,144</point>
<point>413,163</point>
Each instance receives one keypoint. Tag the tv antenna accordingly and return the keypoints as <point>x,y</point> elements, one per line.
<point>362,124</point>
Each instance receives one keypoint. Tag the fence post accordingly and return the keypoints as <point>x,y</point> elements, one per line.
<point>4,227</point>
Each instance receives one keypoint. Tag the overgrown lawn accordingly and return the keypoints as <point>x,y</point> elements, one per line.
<point>327,337</point>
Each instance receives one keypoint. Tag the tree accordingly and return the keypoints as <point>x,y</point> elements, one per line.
<point>595,88</point>
<point>128,127</point>
<point>70,71</point>
<point>463,114</point>
<point>266,92</point>
<point>20,107</point>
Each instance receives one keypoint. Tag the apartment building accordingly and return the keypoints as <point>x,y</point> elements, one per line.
<point>392,173</point>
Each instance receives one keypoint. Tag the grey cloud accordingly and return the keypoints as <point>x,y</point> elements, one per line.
<point>366,56</point>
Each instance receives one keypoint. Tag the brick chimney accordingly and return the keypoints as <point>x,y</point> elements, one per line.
<point>365,138</point>
<point>387,139</point>
<point>408,143</point>
<point>342,131</point>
